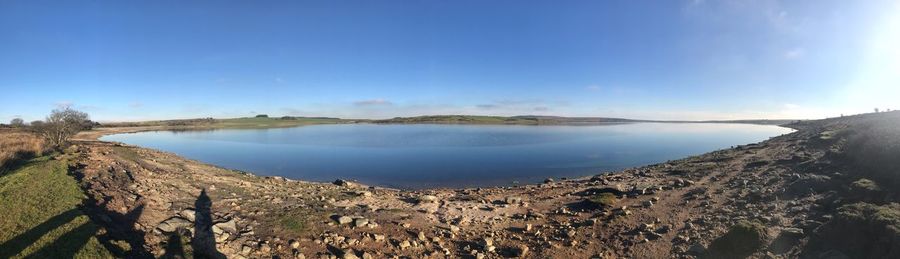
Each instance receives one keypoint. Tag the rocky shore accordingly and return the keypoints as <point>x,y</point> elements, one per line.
<point>787,197</point>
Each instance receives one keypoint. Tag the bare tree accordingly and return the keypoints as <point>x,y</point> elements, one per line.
<point>17,122</point>
<point>61,125</point>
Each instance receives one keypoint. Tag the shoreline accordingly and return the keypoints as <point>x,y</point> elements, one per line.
<point>262,216</point>
<point>95,135</point>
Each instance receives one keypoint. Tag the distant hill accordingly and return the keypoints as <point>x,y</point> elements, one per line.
<point>547,120</point>
<point>514,120</point>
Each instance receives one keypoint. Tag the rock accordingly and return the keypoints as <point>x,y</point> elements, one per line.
<point>487,241</point>
<point>404,244</point>
<point>422,236</point>
<point>454,228</point>
<point>246,250</point>
<point>367,255</point>
<point>740,241</point>
<point>188,214</point>
<point>348,254</point>
<point>528,227</point>
<point>294,244</point>
<point>427,199</point>
<point>229,226</point>
<point>697,249</point>
<point>645,227</point>
<point>548,180</point>
<point>173,224</point>
<point>520,251</point>
<point>513,200</point>
<point>344,220</point>
<point>787,239</point>
<point>344,183</point>
<point>360,222</point>
<point>648,203</point>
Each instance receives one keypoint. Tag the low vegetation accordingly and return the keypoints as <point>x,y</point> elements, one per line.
<point>872,148</point>
<point>17,146</point>
<point>41,216</point>
<point>604,199</point>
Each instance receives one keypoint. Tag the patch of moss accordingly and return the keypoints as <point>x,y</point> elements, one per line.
<point>865,184</point>
<point>740,241</point>
<point>604,199</point>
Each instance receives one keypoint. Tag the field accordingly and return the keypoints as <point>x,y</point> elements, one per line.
<point>16,146</point>
<point>41,215</point>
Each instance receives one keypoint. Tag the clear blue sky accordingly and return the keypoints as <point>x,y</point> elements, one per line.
<point>138,60</point>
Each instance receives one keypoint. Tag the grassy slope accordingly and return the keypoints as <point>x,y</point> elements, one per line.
<point>40,216</point>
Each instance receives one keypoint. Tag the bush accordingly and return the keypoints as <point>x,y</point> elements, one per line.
<point>262,116</point>
<point>61,125</point>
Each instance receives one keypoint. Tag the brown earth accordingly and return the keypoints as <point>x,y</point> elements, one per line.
<point>772,196</point>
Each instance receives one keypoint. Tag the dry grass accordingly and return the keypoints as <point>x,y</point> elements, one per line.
<point>17,145</point>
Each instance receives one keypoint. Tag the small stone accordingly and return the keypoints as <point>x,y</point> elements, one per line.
<point>344,220</point>
<point>294,244</point>
<point>528,227</point>
<point>427,199</point>
<point>422,236</point>
<point>403,245</point>
<point>360,222</point>
<point>348,254</point>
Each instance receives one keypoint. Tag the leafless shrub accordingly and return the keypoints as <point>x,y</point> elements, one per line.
<point>61,125</point>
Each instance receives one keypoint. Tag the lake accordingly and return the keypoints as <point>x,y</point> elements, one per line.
<point>423,156</point>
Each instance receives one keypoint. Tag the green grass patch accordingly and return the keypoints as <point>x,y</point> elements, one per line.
<point>40,216</point>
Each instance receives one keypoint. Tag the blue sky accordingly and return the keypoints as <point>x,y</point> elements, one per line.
<point>733,59</point>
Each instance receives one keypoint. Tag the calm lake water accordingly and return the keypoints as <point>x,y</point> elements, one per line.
<point>419,156</point>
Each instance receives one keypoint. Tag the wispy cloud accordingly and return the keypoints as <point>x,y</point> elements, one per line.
<point>794,53</point>
<point>372,102</point>
<point>63,104</point>
<point>135,105</point>
<point>487,106</point>
<point>291,111</point>
<point>592,88</point>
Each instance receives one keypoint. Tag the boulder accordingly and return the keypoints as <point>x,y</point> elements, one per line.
<point>173,224</point>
